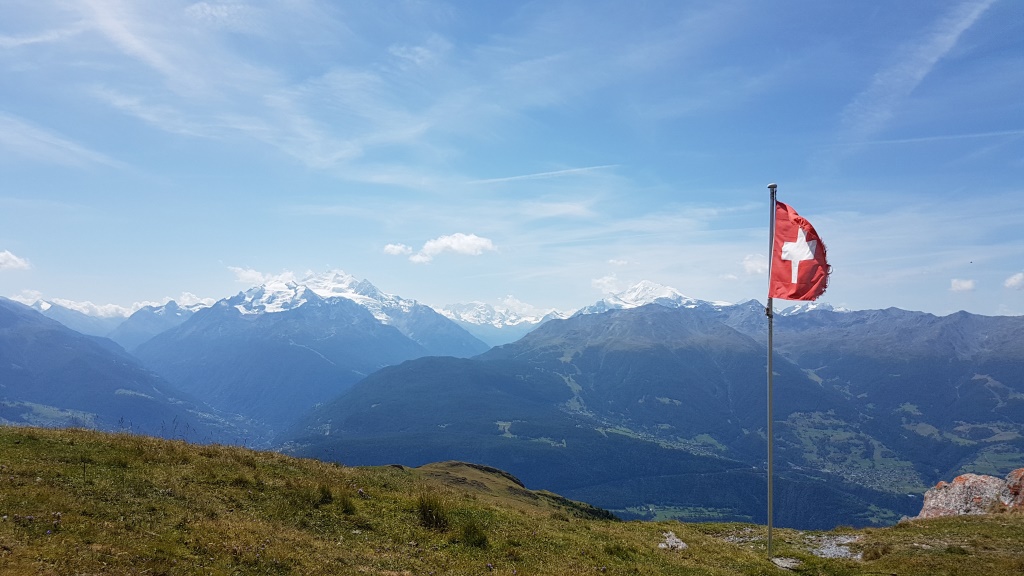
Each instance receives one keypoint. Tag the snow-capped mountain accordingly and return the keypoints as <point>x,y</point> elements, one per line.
<point>481,313</point>
<point>646,292</point>
<point>277,295</point>
<point>274,296</point>
<point>421,323</point>
<point>497,325</point>
<point>808,307</point>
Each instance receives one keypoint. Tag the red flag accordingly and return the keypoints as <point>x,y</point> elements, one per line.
<point>799,269</point>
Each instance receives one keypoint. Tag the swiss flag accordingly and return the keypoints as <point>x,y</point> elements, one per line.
<point>799,269</point>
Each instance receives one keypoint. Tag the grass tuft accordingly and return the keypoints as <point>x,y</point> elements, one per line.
<point>473,534</point>
<point>434,512</point>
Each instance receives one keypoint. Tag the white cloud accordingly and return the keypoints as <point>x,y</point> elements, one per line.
<point>469,244</point>
<point>190,299</point>
<point>616,262</point>
<point>90,309</point>
<point>755,264</point>
<point>9,261</point>
<point>186,299</point>
<point>397,249</point>
<point>252,277</point>
<point>31,297</point>
<point>958,285</point>
<point>522,308</point>
<point>607,284</point>
<point>27,297</point>
<point>1016,282</point>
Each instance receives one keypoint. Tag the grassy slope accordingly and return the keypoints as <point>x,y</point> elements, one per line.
<point>80,502</point>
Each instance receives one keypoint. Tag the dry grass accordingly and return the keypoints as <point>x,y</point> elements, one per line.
<point>80,502</point>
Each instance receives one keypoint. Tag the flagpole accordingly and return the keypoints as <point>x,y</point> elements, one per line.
<point>768,312</point>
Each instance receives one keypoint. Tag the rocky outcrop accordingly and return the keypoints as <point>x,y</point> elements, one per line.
<point>1015,489</point>
<point>974,494</point>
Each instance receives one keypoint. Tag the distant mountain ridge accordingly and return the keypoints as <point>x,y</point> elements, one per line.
<point>53,376</point>
<point>644,293</point>
<point>499,325</point>
<point>277,350</point>
<point>623,402</point>
<point>628,409</point>
<point>149,321</point>
<point>77,321</point>
<point>871,406</point>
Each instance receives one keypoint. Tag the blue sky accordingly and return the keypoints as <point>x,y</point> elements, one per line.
<point>475,150</point>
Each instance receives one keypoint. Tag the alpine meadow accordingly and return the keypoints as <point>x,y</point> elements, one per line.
<point>455,287</point>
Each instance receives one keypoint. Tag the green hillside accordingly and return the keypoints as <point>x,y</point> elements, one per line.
<point>82,502</point>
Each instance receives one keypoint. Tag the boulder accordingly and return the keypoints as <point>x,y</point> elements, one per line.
<point>1014,496</point>
<point>974,494</point>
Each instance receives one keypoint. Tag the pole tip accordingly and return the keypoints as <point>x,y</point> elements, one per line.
<point>773,186</point>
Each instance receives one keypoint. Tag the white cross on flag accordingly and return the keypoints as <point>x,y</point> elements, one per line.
<point>799,269</point>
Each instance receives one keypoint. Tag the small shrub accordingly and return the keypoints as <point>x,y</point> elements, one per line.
<point>874,551</point>
<point>958,550</point>
<point>473,534</point>
<point>433,512</point>
<point>348,506</point>
<point>324,496</point>
<point>619,551</point>
<point>361,523</point>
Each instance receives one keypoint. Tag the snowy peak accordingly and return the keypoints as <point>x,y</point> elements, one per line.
<point>275,297</point>
<point>286,293</point>
<point>511,312</point>
<point>173,309</point>
<point>810,306</point>
<point>330,284</point>
<point>41,305</point>
<point>483,314</point>
<point>646,292</point>
<point>338,284</point>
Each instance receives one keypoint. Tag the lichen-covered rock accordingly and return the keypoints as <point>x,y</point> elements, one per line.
<point>966,494</point>
<point>1014,495</point>
<point>974,494</point>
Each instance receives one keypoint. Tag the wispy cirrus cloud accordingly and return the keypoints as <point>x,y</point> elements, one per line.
<point>47,37</point>
<point>231,16</point>
<point>27,140</point>
<point>545,175</point>
<point>871,110</point>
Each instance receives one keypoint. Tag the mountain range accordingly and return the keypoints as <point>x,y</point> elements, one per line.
<point>648,411</point>
<point>53,376</point>
<point>647,402</point>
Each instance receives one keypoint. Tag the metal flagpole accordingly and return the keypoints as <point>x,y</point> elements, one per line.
<point>768,312</point>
